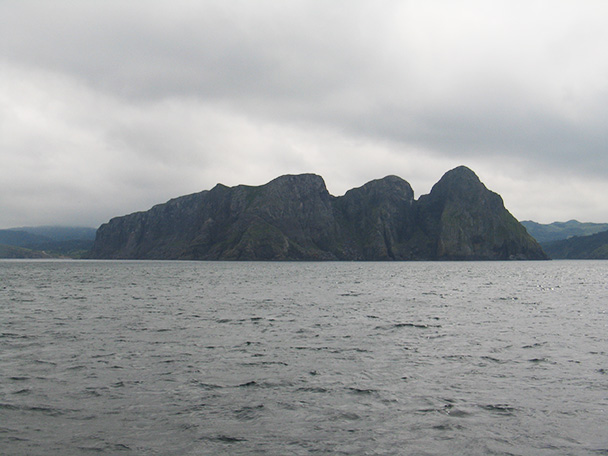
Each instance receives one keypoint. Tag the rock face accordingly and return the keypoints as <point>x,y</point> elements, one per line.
<point>295,218</point>
<point>469,222</point>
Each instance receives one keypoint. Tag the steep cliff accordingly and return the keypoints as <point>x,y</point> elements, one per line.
<point>377,220</point>
<point>284,219</point>
<point>469,222</point>
<point>295,218</point>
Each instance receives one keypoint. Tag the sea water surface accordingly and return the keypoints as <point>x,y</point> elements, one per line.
<point>206,358</point>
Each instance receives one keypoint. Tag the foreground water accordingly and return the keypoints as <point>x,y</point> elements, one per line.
<point>178,358</point>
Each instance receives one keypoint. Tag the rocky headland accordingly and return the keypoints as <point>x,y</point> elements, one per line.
<point>294,217</point>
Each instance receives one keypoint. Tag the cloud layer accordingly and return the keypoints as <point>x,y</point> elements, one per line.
<point>110,107</point>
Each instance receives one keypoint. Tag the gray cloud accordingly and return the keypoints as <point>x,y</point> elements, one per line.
<point>126,104</point>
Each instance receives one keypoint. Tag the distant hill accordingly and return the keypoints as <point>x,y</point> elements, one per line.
<point>46,242</point>
<point>20,238</point>
<point>590,247</point>
<point>295,218</point>
<point>60,233</point>
<point>9,251</point>
<point>562,230</point>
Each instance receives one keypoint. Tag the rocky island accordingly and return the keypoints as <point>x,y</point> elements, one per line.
<point>294,217</point>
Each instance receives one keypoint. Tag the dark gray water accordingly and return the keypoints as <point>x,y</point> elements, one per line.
<point>178,358</point>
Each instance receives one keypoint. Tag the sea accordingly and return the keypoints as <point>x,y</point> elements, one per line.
<point>303,358</point>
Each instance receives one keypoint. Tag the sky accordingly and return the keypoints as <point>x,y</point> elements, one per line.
<point>108,108</point>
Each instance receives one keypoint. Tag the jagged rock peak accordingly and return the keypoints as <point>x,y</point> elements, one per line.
<point>301,179</point>
<point>302,182</point>
<point>461,172</point>
<point>389,184</point>
<point>458,181</point>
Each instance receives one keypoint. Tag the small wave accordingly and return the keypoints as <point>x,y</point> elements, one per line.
<point>447,427</point>
<point>50,411</point>
<point>313,389</point>
<point>311,348</point>
<point>91,391</point>
<point>14,438</point>
<point>106,447</point>
<point>23,391</point>
<point>5,406</point>
<point>14,336</point>
<point>539,360</point>
<point>455,412</point>
<point>249,412</point>
<point>349,416</point>
<point>266,363</point>
<point>503,409</point>
<point>264,385</point>
<point>206,386</point>
<point>42,361</point>
<point>105,355</point>
<point>457,357</point>
<point>536,345</point>
<point>408,325</point>
<point>362,390</point>
<point>492,359</point>
<point>224,439</point>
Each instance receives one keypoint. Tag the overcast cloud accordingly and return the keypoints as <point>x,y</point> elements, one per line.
<point>110,107</point>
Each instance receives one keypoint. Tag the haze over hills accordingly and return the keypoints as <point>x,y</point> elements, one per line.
<point>59,233</point>
<point>45,242</point>
<point>592,247</point>
<point>571,240</point>
<point>562,230</point>
<point>294,217</point>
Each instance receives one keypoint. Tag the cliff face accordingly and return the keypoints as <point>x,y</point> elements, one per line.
<point>469,222</point>
<point>377,219</point>
<point>295,218</point>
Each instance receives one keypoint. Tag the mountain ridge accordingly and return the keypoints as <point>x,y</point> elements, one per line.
<point>46,242</point>
<point>591,247</point>
<point>562,230</point>
<point>293,217</point>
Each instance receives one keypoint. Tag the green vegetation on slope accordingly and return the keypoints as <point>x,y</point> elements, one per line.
<point>579,247</point>
<point>562,230</point>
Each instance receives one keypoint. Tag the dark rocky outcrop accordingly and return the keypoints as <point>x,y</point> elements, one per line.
<point>295,218</point>
<point>469,222</point>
